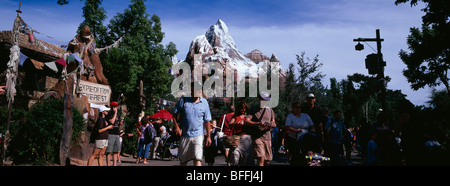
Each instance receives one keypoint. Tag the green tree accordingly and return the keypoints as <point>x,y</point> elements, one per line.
<point>308,79</point>
<point>309,75</point>
<point>361,99</point>
<point>297,87</point>
<point>428,61</point>
<point>440,101</point>
<point>290,84</point>
<point>332,98</point>
<point>141,56</point>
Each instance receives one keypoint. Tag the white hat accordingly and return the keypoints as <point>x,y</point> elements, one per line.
<point>103,108</point>
<point>311,96</point>
<point>264,95</point>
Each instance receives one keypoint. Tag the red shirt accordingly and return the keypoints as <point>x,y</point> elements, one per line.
<point>227,129</point>
<point>238,127</point>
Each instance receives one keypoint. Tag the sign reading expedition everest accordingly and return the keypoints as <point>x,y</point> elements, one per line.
<point>96,93</point>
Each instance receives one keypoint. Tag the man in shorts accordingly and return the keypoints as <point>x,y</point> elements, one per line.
<point>113,135</point>
<point>191,115</point>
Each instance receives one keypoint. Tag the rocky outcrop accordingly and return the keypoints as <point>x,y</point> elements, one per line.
<point>199,45</point>
<point>257,56</point>
<point>274,58</point>
<point>216,45</point>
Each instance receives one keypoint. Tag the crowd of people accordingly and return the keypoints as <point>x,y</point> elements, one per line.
<point>108,132</point>
<point>151,136</point>
<point>107,136</point>
<point>249,136</point>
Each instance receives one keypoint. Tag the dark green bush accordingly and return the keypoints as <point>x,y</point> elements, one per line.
<point>129,145</point>
<point>35,137</point>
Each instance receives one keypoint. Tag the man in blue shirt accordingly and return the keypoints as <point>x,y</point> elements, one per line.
<point>191,114</point>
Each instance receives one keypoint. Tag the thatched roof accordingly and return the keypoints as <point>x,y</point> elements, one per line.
<point>38,50</point>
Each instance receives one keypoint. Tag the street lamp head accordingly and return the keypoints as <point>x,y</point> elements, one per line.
<point>359,47</point>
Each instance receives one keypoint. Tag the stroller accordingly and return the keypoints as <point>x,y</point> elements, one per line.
<point>169,147</point>
<point>310,148</point>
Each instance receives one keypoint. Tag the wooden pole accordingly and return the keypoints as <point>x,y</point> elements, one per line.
<point>64,148</point>
<point>141,96</point>
<point>381,73</point>
<point>12,75</point>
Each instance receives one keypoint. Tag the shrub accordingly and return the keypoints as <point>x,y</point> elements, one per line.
<point>36,138</point>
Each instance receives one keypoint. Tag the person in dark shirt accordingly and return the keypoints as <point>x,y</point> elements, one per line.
<point>315,114</point>
<point>101,137</point>
<point>114,134</point>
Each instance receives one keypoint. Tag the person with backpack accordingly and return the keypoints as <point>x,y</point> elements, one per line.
<point>261,120</point>
<point>144,140</point>
<point>99,136</point>
<point>157,124</point>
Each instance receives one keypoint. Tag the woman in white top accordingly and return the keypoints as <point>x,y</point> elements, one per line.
<point>297,124</point>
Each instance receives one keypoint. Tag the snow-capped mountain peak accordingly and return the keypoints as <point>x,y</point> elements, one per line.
<point>217,45</point>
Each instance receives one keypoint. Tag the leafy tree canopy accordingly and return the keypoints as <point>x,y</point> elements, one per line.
<point>428,59</point>
<point>141,56</point>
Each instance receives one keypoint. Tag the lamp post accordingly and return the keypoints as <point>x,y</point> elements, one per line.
<point>375,67</point>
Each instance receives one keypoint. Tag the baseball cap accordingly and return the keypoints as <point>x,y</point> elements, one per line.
<point>264,95</point>
<point>113,104</point>
<point>311,96</point>
<point>103,108</point>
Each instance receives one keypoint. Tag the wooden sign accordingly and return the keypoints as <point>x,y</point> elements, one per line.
<point>96,93</point>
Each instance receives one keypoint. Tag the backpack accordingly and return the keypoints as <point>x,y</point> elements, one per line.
<point>149,134</point>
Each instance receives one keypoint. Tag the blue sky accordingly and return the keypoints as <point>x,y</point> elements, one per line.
<point>281,27</point>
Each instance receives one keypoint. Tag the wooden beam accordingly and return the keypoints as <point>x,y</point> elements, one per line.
<point>64,148</point>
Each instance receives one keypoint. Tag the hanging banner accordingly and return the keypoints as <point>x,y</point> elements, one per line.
<point>96,93</point>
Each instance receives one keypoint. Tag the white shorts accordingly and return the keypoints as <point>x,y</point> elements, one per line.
<point>190,149</point>
<point>101,143</point>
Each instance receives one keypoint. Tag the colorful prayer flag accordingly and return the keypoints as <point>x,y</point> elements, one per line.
<point>52,66</point>
<point>22,59</point>
<point>62,62</point>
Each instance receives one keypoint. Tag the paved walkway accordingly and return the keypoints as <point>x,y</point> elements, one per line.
<point>279,160</point>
